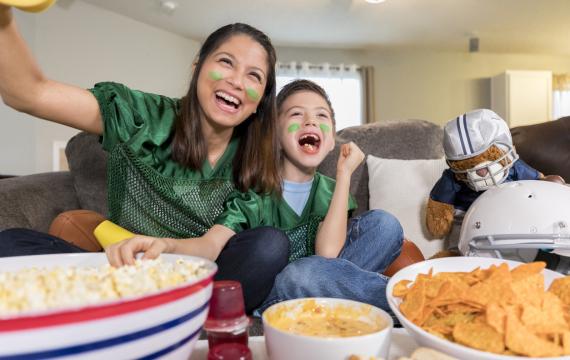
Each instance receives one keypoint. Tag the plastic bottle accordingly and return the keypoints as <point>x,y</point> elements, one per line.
<point>230,351</point>
<point>227,322</point>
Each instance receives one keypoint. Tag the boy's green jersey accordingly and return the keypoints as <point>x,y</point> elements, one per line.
<point>148,192</point>
<point>249,210</point>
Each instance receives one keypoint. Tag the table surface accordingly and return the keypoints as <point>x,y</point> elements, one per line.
<point>402,345</point>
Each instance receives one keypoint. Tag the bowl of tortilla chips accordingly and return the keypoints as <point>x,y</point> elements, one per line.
<point>484,308</point>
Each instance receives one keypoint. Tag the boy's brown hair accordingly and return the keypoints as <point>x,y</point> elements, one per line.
<point>299,85</point>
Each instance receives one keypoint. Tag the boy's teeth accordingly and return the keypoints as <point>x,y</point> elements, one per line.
<point>309,136</point>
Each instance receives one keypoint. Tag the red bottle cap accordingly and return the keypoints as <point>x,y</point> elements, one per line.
<point>229,351</point>
<point>227,310</point>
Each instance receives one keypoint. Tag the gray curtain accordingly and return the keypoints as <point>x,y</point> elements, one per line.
<point>369,110</point>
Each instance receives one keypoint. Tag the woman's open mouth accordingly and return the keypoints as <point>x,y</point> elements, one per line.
<point>227,102</point>
<point>310,143</point>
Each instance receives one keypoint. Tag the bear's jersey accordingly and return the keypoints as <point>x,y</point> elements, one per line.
<point>449,190</point>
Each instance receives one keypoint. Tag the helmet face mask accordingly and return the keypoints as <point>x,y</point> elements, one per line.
<point>518,247</point>
<point>489,173</point>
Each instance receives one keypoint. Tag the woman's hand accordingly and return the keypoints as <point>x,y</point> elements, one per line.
<point>349,159</point>
<point>124,252</point>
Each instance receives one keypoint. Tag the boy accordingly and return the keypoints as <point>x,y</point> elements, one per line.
<point>313,212</point>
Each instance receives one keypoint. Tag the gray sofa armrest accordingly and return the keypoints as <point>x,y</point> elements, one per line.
<point>33,201</point>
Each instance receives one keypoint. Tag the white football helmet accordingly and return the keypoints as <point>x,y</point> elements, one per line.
<point>516,219</point>
<point>472,134</point>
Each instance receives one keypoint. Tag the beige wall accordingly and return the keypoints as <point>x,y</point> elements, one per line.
<point>434,86</point>
<point>81,45</point>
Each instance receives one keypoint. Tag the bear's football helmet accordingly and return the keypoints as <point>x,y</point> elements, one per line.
<point>516,219</point>
<point>472,134</point>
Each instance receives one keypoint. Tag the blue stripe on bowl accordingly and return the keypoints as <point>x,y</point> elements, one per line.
<point>171,348</point>
<point>119,340</point>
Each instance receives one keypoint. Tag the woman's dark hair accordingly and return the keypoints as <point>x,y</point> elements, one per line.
<point>299,85</point>
<point>256,163</point>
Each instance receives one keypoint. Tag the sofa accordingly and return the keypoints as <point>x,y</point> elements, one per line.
<point>545,146</point>
<point>33,201</point>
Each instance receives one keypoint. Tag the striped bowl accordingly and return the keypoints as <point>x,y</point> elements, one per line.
<point>163,324</point>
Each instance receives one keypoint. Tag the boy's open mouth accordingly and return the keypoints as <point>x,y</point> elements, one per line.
<point>227,100</point>
<point>310,143</point>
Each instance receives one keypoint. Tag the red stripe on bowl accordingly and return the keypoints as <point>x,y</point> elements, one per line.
<point>97,312</point>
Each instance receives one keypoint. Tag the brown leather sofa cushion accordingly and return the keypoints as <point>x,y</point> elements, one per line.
<point>545,146</point>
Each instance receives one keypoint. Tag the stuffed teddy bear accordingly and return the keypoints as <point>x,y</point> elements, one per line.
<point>480,153</point>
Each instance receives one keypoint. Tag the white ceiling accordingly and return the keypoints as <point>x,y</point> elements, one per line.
<point>515,26</point>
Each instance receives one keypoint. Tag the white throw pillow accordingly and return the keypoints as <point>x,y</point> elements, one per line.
<point>402,188</point>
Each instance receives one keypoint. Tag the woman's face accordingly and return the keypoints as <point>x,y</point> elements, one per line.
<point>232,81</point>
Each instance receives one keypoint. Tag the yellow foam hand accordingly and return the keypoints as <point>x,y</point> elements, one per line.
<point>108,233</point>
<point>29,5</point>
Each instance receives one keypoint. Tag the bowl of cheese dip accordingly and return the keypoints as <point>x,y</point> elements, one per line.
<point>325,328</point>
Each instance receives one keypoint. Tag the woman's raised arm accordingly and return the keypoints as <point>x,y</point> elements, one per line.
<point>24,87</point>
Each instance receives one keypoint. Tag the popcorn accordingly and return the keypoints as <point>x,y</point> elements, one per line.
<point>38,289</point>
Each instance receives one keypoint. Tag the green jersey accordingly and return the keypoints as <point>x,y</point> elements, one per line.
<point>249,210</point>
<point>148,192</point>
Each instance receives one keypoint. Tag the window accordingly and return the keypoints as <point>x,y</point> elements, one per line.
<point>561,96</point>
<point>342,83</point>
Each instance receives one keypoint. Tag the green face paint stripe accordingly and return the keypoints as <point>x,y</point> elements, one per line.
<point>325,128</point>
<point>253,95</point>
<point>215,75</point>
<point>293,128</point>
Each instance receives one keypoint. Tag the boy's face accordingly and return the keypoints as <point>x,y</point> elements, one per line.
<point>306,131</point>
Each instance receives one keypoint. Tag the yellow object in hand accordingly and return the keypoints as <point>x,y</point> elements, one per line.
<point>108,233</point>
<point>29,5</point>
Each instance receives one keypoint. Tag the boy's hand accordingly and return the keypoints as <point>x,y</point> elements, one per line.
<point>124,252</point>
<point>349,159</point>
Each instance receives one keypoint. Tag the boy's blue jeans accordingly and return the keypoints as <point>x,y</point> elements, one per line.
<point>373,242</point>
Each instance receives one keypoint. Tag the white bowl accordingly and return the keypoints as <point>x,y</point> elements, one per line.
<point>452,264</point>
<point>283,345</point>
<point>161,324</point>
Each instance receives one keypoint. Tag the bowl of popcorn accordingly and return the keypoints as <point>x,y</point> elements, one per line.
<point>484,308</point>
<point>77,306</point>
<point>326,328</point>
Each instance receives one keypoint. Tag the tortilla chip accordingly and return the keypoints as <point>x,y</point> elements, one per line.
<point>479,336</point>
<point>521,340</point>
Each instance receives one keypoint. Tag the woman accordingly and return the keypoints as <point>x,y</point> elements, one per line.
<point>172,162</point>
